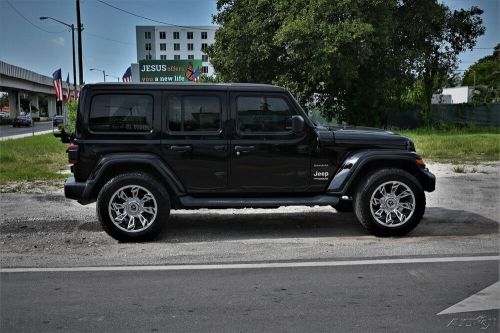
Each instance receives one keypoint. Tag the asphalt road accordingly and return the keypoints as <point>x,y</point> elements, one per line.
<point>8,130</point>
<point>366,298</point>
<point>46,230</point>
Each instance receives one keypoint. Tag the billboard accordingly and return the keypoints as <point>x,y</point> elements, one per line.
<point>169,70</point>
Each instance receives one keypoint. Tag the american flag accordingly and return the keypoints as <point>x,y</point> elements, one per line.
<point>57,82</point>
<point>127,77</point>
<point>68,91</point>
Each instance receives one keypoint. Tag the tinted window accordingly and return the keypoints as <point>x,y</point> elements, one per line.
<point>194,113</point>
<point>128,113</point>
<point>264,114</point>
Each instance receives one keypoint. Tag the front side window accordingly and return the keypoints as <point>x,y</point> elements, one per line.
<point>194,114</point>
<point>263,114</point>
<point>121,113</point>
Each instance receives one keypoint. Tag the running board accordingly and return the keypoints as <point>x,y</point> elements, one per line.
<point>318,200</point>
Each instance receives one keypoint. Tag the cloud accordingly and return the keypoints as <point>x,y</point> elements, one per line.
<point>59,41</point>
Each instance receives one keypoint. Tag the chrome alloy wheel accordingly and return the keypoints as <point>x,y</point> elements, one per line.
<point>392,204</point>
<point>132,208</point>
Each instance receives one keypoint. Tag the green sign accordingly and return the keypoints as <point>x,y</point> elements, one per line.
<point>169,70</point>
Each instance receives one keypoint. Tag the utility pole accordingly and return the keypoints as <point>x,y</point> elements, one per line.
<point>80,56</point>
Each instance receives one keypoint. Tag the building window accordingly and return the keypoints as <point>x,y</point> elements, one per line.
<point>190,47</point>
<point>204,58</point>
<point>163,46</point>
<point>194,113</point>
<point>177,47</point>
<point>204,35</point>
<point>148,46</point>
<point>177,57</point>
<point>204,69</point>
<point>189,35</point>
<point>176,34</point>
<point>148,57</point>
<point>163,35</point>
<point>163,57</point>
<point>190,56</point>
<point>147,34</point>
<point>204,46</point>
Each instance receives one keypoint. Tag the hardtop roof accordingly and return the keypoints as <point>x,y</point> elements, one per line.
<point>187,86</point>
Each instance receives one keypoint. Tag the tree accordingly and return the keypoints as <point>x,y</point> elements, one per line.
<point>435,37</point>
<point>486,71</point>
<point>352,58</point>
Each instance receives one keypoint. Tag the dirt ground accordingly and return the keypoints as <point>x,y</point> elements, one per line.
<point>41,228</point>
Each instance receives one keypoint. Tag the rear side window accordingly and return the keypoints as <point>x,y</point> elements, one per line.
<point>121,113</point>
<point>263,114</point>
<point>194,113</point>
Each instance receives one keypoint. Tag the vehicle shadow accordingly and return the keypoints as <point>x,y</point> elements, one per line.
<point>188,226</point>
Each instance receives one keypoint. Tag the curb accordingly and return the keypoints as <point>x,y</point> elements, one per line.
<point>19,136</point>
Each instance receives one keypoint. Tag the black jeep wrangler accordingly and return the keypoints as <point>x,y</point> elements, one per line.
<point>140,150</point>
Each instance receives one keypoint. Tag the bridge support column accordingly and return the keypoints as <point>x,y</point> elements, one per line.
<point>34,102</point>
<point>51,106</point>
<point>13,104</point>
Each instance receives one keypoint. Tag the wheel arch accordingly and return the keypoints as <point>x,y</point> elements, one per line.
<point>357,166</point>
<point>111,165</point>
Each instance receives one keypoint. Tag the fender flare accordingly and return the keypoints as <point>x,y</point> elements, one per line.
<point>354,163</point>
<point>110,160</point>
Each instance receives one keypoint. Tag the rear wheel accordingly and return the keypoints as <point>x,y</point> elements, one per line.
<point>390,202</point>
<point>133,207</point>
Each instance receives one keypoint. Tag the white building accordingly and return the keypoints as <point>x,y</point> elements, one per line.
<point>456,95</point>
<point>175,43</point>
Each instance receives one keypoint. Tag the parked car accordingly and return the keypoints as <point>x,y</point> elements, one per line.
<point>4,115</point>
<point>142,150</point>
<point>57,121</point>
<point>22,121</point>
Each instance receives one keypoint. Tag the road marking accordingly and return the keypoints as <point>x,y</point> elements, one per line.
<point>250,266</point>
<point>486,299</point>
<point>25,135</point>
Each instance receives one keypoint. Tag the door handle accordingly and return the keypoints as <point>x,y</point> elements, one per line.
<point>244,149</point>
<point>220,148</point>
<point>181,149</point>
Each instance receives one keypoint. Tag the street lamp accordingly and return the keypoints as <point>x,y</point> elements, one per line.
<point>116,77</point>
<point>72,27</point>
<point>100,70</point>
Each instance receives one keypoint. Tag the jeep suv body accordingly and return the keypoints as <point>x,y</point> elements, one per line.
<point>140,150</point>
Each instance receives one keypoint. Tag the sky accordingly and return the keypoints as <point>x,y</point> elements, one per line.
<point>109,35</point>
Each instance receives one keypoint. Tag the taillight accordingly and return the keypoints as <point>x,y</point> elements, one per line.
<point>72,154</point>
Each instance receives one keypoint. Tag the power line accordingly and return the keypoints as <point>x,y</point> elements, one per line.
<point>153,20</point>
<point>33,24</point>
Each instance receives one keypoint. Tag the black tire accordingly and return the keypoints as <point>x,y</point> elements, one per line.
<point>344,206</point>
<point>129,181</point>
<point>363,197</point>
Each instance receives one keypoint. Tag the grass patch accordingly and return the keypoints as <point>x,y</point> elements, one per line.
<point>32,158</point>
<point>472,145</point>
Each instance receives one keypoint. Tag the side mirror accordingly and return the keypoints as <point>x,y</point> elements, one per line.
<point>297,124</point>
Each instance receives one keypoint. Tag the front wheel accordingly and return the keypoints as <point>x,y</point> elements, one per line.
<point>391,202</point>
<point>133,207</point>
